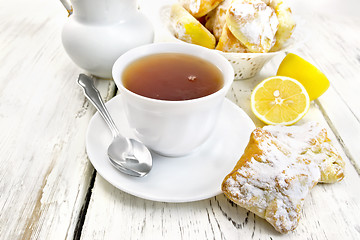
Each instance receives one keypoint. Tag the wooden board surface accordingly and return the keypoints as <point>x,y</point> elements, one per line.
<point>44,173</point>
<point>326,214</point>
<point>49,189</point>
<point>330,212</point>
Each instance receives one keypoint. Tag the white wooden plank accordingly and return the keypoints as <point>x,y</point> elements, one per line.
<point>333,47</point>
<point>330,211</point>
<point>44,172</point>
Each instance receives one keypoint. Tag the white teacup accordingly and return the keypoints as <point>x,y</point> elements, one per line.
<point>172,128</point>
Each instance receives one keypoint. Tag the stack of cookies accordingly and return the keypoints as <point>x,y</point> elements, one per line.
<point>240,26</point>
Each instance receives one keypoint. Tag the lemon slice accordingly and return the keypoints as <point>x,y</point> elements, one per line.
<point>314,81</point>
<point>280,100</point>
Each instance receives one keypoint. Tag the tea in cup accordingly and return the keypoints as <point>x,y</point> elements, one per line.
<point>172,94</point>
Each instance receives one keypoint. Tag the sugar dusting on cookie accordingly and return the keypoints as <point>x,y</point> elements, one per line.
<point>256,21</point>
<point>278,169</point>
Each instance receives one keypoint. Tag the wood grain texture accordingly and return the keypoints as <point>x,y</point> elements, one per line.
<point>44,172</point>
<point>334,49</point>
<point>330,211</point>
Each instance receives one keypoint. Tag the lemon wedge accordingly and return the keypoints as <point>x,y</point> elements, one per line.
<point>280,100</point>
<point>314,81</point>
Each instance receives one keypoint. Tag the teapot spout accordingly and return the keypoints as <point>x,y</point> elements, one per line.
<point>68,6</point>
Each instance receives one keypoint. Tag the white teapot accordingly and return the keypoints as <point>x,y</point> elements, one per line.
<point>99,31</point>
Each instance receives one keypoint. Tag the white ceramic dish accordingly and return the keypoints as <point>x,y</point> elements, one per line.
<point>190,178</point>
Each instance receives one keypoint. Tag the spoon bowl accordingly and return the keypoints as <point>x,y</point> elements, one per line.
<point>125,154</point>
<point>130,156</point>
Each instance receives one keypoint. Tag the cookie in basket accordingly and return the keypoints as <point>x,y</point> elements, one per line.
<point>286,23</point>
<point>253,23</point>
<point>199,8</point>
<point>229,43</point>
<point>216,19</point>
<point>188,29</point>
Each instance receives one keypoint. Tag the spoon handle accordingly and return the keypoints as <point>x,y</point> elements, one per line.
<point>94,97</point>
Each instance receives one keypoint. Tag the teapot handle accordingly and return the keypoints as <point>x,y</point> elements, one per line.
<point>67,6</point>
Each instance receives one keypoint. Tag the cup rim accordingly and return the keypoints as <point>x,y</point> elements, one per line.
<point>170,47</point>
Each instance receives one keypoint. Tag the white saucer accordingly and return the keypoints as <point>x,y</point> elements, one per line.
<point>184,179</point>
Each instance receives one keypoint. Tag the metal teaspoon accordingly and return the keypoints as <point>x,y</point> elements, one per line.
<point>127,155</point>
